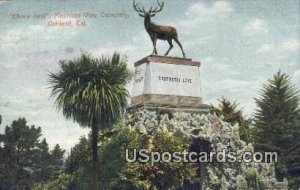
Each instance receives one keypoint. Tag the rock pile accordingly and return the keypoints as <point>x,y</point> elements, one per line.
<point>218,136</point>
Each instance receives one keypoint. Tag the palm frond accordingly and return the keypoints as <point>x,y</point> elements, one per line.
<point>87,89</point>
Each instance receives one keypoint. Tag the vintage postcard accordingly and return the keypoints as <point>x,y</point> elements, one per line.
<point>149,95</point>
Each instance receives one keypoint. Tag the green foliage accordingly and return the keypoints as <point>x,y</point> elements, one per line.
<point>172,174</point>
<point>80,155</point>
<point>118,174</point>
<point>232,114</point>
<point>79,164</point>
<point>42,162</point>
<point>172,136</point>
<point>253,179</point>
<point>61,183</point>
<point>20,147</point>
<point>277,126</point>
<point>294,183</point>
<point>56,160</point>
<point>24,158</point>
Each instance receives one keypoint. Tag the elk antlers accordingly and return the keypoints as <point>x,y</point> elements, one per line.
<point>138,9</point>
<point>160,7</point>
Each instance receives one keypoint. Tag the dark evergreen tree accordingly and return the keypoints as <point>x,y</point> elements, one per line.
<point>42,170</point>
<point>79,156</point>
<point>277,125</point>
<point>79,164</point>
<point>233,114</point>
<point>19,144</point>
<point>56,161</point>
<point>24,159</point>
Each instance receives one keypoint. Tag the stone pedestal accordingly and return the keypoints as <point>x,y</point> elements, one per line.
<point>167,83</point>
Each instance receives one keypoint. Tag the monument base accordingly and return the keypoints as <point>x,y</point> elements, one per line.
<point>203,109</point>
<point>167,83</point>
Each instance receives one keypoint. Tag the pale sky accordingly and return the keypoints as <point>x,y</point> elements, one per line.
<point>240,44</point>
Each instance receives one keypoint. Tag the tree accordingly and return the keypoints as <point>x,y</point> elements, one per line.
<point>56,160</point>
<point>20,142</point>
<point>42,162</point>
<point>233,114</point>
<point>24,158</point>
<point>79,164</point>
<point>79,156</point>
<point>92,92</point>
<point>277,126</point>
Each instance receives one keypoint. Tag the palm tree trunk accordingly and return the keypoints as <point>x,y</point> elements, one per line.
<point>95,185</point>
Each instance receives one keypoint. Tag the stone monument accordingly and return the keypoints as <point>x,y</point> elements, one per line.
<point>163,82</point>
<point>167,83</point>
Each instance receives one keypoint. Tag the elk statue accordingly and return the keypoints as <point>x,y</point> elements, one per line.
<point>155,31</point>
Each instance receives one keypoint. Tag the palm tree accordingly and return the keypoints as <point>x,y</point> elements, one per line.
<point>92,92</point>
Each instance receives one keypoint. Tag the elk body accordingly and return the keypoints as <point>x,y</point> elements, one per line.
<point>155,31</point>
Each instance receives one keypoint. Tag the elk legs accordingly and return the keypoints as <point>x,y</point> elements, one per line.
<point>177,41</point>
<point>154,39</point>
<point>171,46</point>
